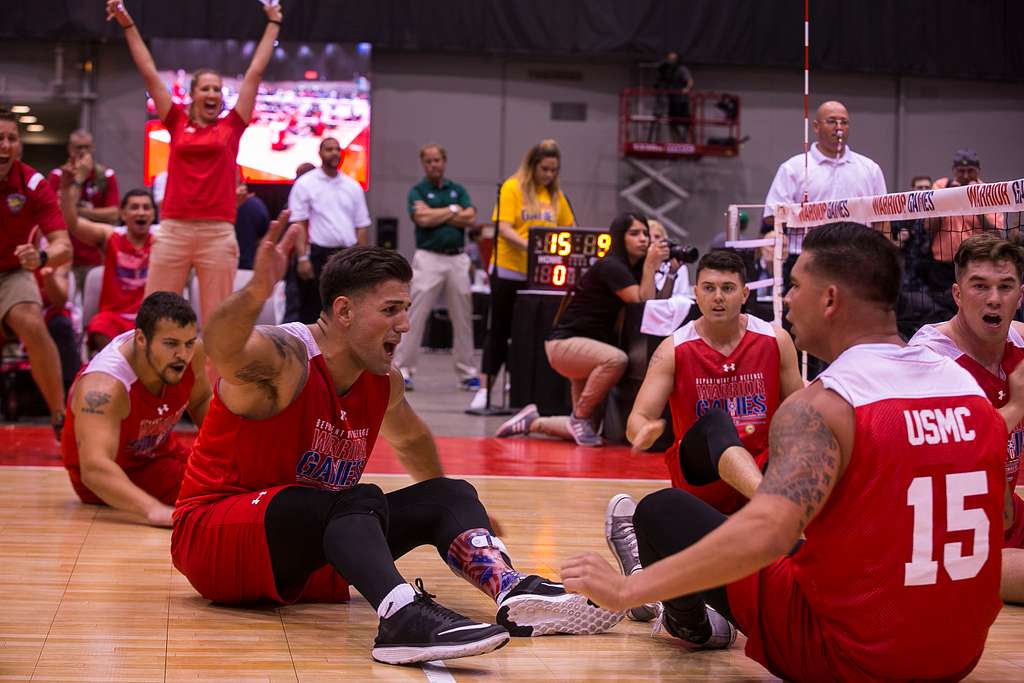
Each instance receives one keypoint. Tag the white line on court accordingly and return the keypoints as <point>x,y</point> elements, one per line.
<point>437,672</point>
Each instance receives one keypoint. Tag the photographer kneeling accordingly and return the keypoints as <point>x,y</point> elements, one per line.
<point>581,347</point>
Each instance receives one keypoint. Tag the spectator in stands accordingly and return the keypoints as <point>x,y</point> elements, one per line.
<point>441,210</point>
<point>55,291</point>
<point>834,171</point>
<point>200,204</point>
<point>530,198</point>
<point>331,209</point>
<point>126,255</point>
<point>303,168</point>
<point>674,77</point>
<point>672,278</point>
<point>583,346</point>
<point>99,198</point>
<point>27,202</point>
<point>913,239</point>
<point>251,222</point>
<point>947,233</point>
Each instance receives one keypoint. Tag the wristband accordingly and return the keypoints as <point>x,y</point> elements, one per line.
<point>273,21</point>
<point>304,257</point>
<point>43,257</point>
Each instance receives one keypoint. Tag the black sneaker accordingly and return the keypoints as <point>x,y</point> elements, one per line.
<point>717,633</point>
<point>423,631</point>
<point>537,607</point>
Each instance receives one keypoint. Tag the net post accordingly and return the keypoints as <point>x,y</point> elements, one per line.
<point>777,293</point>
<point>732,223</point>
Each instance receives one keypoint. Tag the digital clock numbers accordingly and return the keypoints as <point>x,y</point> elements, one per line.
<point>558,257</point>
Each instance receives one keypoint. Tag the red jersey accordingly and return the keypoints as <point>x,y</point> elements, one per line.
<point>321,439</point>
<point>97,193</point>
<point>25,202</point>
<point>996,387</point>
<point>201,169</point>
<point>745,384</point>
<point>125,268</point>
<point>147,433</point>
<point>903,560</point>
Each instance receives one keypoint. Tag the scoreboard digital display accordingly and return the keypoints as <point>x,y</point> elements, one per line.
<point>558,257</point>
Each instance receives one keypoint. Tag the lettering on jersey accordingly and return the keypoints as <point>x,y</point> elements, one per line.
<point>335,459</point>
<point>153,433</point>
<point>939,425</point>
<point>1013,450</point>
<point>743,396</point>
<point>131,269</point>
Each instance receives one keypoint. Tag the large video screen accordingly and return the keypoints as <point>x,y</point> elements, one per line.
<point>309,92</point>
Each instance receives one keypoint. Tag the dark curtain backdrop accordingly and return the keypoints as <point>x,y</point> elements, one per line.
<point>979,39</point>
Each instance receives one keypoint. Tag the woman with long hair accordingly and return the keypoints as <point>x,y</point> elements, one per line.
<point>530,198</point>
<point>199,206</point>
<point>583,346</point>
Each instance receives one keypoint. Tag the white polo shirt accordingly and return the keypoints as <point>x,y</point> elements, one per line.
<point>851,175</point>
<point>334,207</point>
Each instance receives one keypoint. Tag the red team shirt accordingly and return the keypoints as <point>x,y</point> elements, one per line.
<point>321,440</point>
<point>201,169</point>
<point>88,254</point>
<point>997,389</point>
<point>26,201</point>
<point>899,575</point>
<point>125,268</point>
<point>745,384</point>
<point>148,451</point>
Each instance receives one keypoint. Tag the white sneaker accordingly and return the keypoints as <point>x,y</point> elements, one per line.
<point>621,537</point>
<point>479,399</point>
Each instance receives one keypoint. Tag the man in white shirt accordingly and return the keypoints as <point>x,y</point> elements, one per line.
<point>331,208</point>
<point>834,171</point>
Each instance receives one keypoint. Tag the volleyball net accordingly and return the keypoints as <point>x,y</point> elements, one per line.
<point>928,226</point>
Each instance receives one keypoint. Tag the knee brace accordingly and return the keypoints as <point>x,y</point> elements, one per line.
<point>703,444</point>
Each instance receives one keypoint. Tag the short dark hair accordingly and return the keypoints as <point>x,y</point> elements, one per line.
<point>858,257</point>
<point>360,268</point>
<point>988,247</point>
<point>8,115</point>
<point>913,181</point>
<point>163,306</point>
<point>137,192</point>
<point>725,260</point>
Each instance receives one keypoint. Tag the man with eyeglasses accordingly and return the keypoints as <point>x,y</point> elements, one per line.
<point>833,171</point>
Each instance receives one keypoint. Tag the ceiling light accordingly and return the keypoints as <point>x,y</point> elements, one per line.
<point>20,109</point>
<point>35,128</point>
<point>28,119</point>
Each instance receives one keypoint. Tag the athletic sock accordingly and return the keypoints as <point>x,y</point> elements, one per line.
<point>482,559</point>
<point>400,596</point>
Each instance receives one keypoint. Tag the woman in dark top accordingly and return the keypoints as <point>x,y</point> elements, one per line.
<point>582,347</point>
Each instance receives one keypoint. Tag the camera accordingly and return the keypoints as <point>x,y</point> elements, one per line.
<point>684,253</point>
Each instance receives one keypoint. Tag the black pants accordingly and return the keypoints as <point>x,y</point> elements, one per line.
<point>361,531</point>
<point>64,337</point>
<point>302,297</point>
<point>504,294</point>
<point>672,520</point>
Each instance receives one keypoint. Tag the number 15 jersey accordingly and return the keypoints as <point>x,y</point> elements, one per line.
<point>903,560</point>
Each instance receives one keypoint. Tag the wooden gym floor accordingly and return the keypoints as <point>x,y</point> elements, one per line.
<point>89,596</point>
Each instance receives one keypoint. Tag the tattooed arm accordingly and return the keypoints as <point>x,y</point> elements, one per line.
<point>811,436</point>
<point>99,403</point>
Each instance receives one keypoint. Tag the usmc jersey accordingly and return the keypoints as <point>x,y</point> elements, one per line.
<point>996,387</point>
<point>147,433</point>
<point>902,562</point>
<point>745,384</point>
<point>321,439</point>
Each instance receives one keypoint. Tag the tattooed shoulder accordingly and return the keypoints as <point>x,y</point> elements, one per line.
<point>95,402</point>
<point>805,457</point>
<point>263,372</point>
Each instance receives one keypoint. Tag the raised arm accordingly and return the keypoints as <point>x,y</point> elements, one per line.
<point>261,366</point>
<point>260,59</point>
<point>645,423</point>
<point>84,229</point>
<point>409,435</point>
<point>140,54</point>
<point>99,404</point>
<point>202,392</point>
